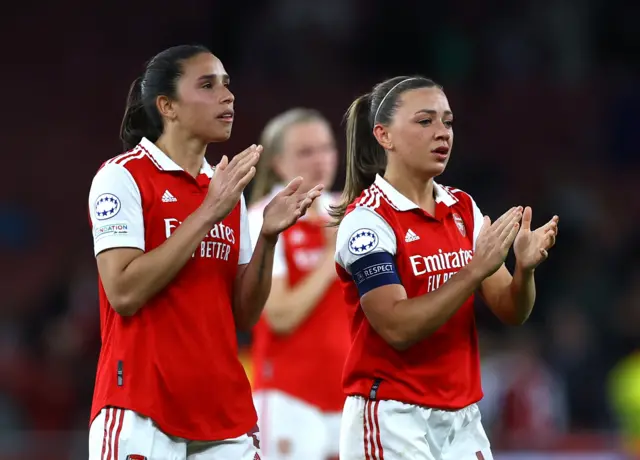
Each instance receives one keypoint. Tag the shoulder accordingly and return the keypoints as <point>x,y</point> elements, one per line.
<point>113,176</point>
<point>363,231</point>
<point>135,161</point>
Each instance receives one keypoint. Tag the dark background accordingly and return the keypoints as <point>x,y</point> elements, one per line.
<point>545,95</point>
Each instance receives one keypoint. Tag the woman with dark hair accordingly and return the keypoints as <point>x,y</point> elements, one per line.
<point>411,253</point>
<point>177,274</point>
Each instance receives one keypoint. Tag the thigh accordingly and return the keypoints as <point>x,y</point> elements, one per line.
<point>289,427</point>
<point>378,430</point>
<point>467,440</point>
<point>241,448</point>
<point>120,434</point>
<point>332,421</point>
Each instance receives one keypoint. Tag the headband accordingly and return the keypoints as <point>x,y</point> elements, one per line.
<point>375,117</point>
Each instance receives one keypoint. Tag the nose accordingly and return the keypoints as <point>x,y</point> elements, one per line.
<point>227,96</point>
<point>442,132</point>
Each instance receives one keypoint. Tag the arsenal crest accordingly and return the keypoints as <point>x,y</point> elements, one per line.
<point>460,224</point>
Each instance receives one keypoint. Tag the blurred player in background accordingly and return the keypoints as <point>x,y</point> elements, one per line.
<point>411,254</point>
<point>301,342</point>
<point>176,271</point>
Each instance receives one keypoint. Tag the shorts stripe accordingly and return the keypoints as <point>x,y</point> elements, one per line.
<point>110,433</point>
<point>372,443</point>
<point>107,413</point>
<point>117,440</point>
<point>377,425</point>
<point>366,431</point>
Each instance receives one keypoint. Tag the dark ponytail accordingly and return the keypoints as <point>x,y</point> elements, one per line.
<point>160,78</point>
<point>135,122</point>
<point>365,157</point>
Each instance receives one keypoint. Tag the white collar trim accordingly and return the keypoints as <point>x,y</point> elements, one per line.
<point>402,203</point>
<point>164,163</point>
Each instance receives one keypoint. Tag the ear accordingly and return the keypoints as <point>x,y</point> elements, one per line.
<point>166,107</point>
<point>383,137</point>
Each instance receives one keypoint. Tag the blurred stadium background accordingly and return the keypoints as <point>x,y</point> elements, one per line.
<point>546,96</point>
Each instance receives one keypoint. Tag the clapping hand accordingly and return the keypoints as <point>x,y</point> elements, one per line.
<point>531,247</point>
<point>287,207</point>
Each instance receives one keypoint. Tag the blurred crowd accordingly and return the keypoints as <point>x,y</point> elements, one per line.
<point>545,95</point>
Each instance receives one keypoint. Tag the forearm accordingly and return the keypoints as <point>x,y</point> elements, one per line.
<point>151,272</point>
<point>290,307</point>
<point>417,318</point>
<point>521,296</point>
<point>253,286</point>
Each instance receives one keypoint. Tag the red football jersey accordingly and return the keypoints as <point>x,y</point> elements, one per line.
<point>176,359</point>
<point>443,370</point>
<point>308,362</point>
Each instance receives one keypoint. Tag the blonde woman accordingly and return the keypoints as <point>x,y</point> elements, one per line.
<point>301,342</point>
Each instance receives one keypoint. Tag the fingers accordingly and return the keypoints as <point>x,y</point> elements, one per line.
<point>241,163</point>
<point>526,218</point>
<point>504,216</point>
<point>244,180</point>
<point>486,224</point>
<point>240,169</point>
<point>318,188</point>
<point>552,224</point>
<point>506,225</point>
<point>248,152</point>
<point>509,235</point>
<point>250,159</point>
<point>544,254</point>
<point>550,239</point>
<point>292,187</point>
<point>222,164</point>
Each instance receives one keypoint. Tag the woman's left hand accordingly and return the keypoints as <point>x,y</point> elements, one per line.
<point>531,246</point>
<point>287,207</point>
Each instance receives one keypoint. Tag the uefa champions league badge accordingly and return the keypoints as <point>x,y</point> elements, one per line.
<point>363,241</point>
<point>107,205</point>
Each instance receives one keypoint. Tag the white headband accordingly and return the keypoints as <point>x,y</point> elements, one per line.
<point>375,117</point>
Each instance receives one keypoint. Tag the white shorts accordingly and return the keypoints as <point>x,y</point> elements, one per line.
<point>292,429</point>
<point>120,434</point>
<point>391,430</point>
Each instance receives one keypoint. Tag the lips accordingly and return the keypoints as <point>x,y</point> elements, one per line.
<point>226,115</point>
<point>441,150</point>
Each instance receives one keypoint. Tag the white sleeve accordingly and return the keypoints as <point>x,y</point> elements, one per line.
<point>246,248</point>
<point>363,232</point>
<point>279,259</point>
<point>477,222</point>
<point>115,206</point>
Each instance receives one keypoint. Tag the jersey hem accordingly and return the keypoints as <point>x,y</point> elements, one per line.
<point>221,435</point>
<point>415,402</point>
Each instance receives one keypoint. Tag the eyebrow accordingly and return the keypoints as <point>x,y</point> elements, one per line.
<point>225,78</point>
<point>433,112</point>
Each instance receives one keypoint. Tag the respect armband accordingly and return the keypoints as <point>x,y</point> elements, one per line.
<point>373,271</point>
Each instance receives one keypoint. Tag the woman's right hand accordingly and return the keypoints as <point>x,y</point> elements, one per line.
<point>494,241</point>
<point>228,181</point>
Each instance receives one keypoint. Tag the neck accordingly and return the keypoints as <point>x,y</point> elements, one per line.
<point>185,151</point>
<point>417,189</point>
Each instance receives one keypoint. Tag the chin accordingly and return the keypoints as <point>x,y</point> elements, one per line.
<point>433,171</point>
<point>220,136</point>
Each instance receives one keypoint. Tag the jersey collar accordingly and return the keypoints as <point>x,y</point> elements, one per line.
<point>402,203</point>
<point>164,163</point>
